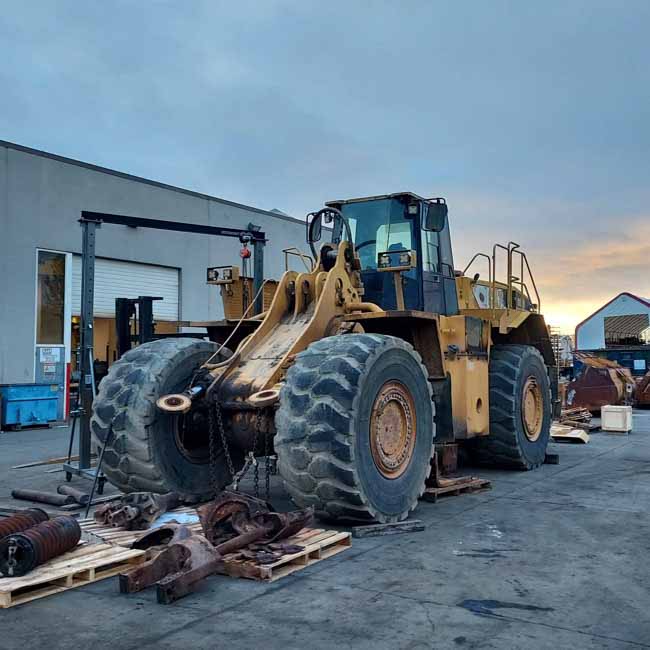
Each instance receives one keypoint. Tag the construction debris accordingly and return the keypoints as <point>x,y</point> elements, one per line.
<point>579,418</point>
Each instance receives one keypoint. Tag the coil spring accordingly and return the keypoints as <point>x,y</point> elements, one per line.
<point>21,552</point>
<point>22,521</point>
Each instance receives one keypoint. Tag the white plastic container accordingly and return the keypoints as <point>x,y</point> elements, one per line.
<point>616,418</point>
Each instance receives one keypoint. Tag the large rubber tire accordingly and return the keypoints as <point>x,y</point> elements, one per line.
<point>143,453</point>
<point>323,428</point>
<point>507,446</point>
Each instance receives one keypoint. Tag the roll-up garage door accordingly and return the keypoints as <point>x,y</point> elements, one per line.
<point>115,279</point>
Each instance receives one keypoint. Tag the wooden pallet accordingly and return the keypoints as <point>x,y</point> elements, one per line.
<point>432,493</point>
<point>84,565</point>
<point>318,544</point>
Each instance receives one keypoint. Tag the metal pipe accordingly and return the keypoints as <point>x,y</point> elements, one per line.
<point>79,496</point>
<point>42,497</point>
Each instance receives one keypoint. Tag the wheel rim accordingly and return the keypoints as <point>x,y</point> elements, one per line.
<point>191,435</point>
<point>532,409</point>
<point>392,429</point>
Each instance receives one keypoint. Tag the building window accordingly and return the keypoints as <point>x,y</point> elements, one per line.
<point>50,298</point>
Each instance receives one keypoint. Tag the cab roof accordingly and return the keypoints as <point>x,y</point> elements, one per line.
<point>408,195</point>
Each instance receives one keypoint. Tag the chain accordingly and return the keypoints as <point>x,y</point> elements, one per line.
<point>256,471</point>
<point>212,413</point>
<point>251,459</point>
<point>267,460</point>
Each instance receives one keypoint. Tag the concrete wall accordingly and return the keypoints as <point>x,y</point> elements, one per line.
<point>41,198</point>
<point>590,334</point>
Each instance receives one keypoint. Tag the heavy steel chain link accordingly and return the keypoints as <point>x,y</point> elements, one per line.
<point>215,413</point>
<point>256,471</point>
<point>267,459</point>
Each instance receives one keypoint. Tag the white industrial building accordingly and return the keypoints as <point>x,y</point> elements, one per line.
<point>42,196</point>
<point>621,321</point>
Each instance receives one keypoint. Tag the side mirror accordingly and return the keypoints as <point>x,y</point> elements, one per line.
<point>435,216</point>
<point>314,227</point>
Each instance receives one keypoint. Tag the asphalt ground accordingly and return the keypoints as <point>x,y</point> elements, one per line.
<point>554,558</point>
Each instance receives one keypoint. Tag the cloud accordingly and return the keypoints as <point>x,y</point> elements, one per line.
<point>533,119</point>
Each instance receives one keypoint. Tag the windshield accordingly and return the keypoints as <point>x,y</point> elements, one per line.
<point>378,226</point>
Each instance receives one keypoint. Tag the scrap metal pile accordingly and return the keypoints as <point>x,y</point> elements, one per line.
<point>178,558</point>
<point>598,382</point>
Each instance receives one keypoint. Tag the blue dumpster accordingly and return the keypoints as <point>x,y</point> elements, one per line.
<point>28,404</point>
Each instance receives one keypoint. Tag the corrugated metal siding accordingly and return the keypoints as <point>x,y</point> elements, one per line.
<point>116,279</point>
<point>590,335</point>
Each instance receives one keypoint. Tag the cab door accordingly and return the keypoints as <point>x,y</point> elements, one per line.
<point>439,283</point>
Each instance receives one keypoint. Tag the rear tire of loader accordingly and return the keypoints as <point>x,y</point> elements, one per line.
<point>149,451</point>
<point>355,428</point>
<point>519,386</point>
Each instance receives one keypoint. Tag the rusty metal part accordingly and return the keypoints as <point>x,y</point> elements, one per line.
<point>393,429</point>
<point>52,498</point>
<point>136,511</point>
<point>643,391</point>
<point>161,536</point>
<point>215,516</point>
<point>179,565</point>
<point>22,521</point>
<point>532,409</point>
<point>169,559</point>
<point>598,382</point>
<point>204,560</point>
<point>234,521</point>
<point>21,552</point>
<point>443,465</point>
<point>79,496</point>
<point>233,514</point>
<point>268,553</point>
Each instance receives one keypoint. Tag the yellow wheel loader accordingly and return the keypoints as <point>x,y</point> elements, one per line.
<point>357,370</point>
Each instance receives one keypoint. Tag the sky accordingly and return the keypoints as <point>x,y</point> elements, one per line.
<point>531,118</point>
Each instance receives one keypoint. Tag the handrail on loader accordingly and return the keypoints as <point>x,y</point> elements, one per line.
<point>511,249</point>
<point>296,252</point>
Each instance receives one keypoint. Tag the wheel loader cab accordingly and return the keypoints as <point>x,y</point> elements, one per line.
<point>383,227</point>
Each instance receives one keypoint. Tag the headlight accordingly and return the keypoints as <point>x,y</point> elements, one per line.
<point>405,259</point>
